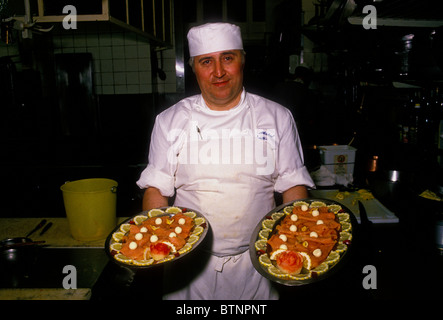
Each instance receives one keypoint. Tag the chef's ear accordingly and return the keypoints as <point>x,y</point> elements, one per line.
<point>191,63</point>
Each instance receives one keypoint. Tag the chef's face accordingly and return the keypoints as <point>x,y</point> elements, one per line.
<point>220,77</point>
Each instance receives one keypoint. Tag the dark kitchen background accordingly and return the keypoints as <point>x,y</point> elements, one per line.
<point>80,103</point>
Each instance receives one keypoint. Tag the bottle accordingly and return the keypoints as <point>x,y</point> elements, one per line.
<point>414,127</point>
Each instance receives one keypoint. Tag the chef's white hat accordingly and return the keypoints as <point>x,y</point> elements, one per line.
<point>214,37</point>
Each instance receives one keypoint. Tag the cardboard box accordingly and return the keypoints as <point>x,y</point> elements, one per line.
<point>338,159</point>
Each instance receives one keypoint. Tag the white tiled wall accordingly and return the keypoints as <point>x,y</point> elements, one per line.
<point>121,58</point>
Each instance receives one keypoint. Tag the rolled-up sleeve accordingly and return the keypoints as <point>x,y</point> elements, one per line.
<point>160,171</point>
<point>290,162</point>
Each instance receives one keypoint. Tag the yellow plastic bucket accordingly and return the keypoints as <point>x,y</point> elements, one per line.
<point>90,206</point>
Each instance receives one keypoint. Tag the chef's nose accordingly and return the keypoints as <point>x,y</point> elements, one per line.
<point>219,71</point>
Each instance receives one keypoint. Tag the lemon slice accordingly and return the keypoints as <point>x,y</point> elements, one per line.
<point>125,227</point>
<point>198,221</point>
<point>332,258</point>
<point>345,236</point>
<point>173,210</point>
<point>268,224</point>
<point>168,258</point>
<point>155,212</point>
<point>197,230</point>
<point>185,248</point>
<point>317,204</point>
<point>334,208</point>
<point>322,268</point>
<point>260,245</point>
<point>143,262</point>
<point>264,260</point>
<point>122,258</point>
<point>300,276</point>
<point>343,216</point>
<point>346,226</point>
<point>190,214</point>
<point>116,246</point>
<point>300,203</point>
<point>288,209</point>
<point>341,248</point>
<point>193,239</point>
<point>277,215</point>
<point>117,236</point>
<point>277,272</point>
<point>306,260</point>
<point>139,219</point>
<point>264,234</point>
<point>276,253</point>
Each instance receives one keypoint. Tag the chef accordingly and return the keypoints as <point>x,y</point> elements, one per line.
<point>224,153</point>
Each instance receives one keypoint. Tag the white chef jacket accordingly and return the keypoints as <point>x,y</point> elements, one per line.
<point>226,164</point>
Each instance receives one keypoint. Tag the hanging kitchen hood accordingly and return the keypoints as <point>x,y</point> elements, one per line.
<point>402,13</point>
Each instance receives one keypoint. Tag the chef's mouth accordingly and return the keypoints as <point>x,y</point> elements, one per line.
<point>220,83</point>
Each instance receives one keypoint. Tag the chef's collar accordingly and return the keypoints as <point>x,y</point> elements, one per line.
<point>201,104</point>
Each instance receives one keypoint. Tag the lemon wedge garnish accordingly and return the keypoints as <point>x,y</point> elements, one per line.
<point>332,258</point>
<point>264,260</point>
<point>117,236</point>
<point>268,224</point>
<point>277,215</point>
<point>300,203</point>
<point>300,276</point>
<point>198,221</point>
<point>173,210</point>
<point>155,212</point>
<point>346,226</point>
<point>143,262</point>
<point>345,236</point>
<point>264,234</point>
<point>125,227</point>
<point>190,214</point>
<point>276,272</point>
<point>197,230</point>
<point>320,269</point>
<point>341,248</point>
<point>317,204</point>
<point>116,246</point>
<point>343,216</point>
<point>306,260</point>
<point>139,219</point>
<point>185,248</point>
<point>260,245</point>
<point>288,209</point>
<point>193,239</point>
<point>122,258</point>
<point>334,208</point>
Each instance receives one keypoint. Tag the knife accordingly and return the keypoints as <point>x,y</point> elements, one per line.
<point>46,228</point>
<point>41,224</point>
<point>363,215</point>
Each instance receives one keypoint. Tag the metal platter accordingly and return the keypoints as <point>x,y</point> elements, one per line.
<point>336,259</point>
<point>112,238</point>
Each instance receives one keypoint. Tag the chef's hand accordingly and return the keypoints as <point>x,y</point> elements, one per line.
<point>295,193</point>
<point>152,198</point>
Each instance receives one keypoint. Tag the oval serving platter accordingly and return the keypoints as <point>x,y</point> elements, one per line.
<point>259,249</point>
<point>197,235</point>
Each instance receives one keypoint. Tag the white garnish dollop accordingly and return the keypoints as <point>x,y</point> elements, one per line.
<point>317,253</point>
<point>153,238</point>
<point>181,221</point>
<point>313,234</point>
<point>319,221</point>
<point>143,229</point>
<point>138,236</point>
<point>172,235</point>
<point>178,230</point>
<point>133,245</point>
<point>315,213</point>
<point>293,228</point>
<point>158,221</point>
<point>283,237</point>
<point>304,207</point>
<point>294,217</point>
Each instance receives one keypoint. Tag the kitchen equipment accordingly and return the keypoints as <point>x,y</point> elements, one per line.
<point>41,224</point>
<point>345,242</point>
<point>45,228</point>
<point>364,220</point>
<point>90,206</point>
<point>17,256</point>
<point>110,241</point>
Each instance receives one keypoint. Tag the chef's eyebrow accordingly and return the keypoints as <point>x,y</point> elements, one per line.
<point>225,53</point>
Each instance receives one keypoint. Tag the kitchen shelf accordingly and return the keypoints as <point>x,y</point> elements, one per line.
<point>152,19</point>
